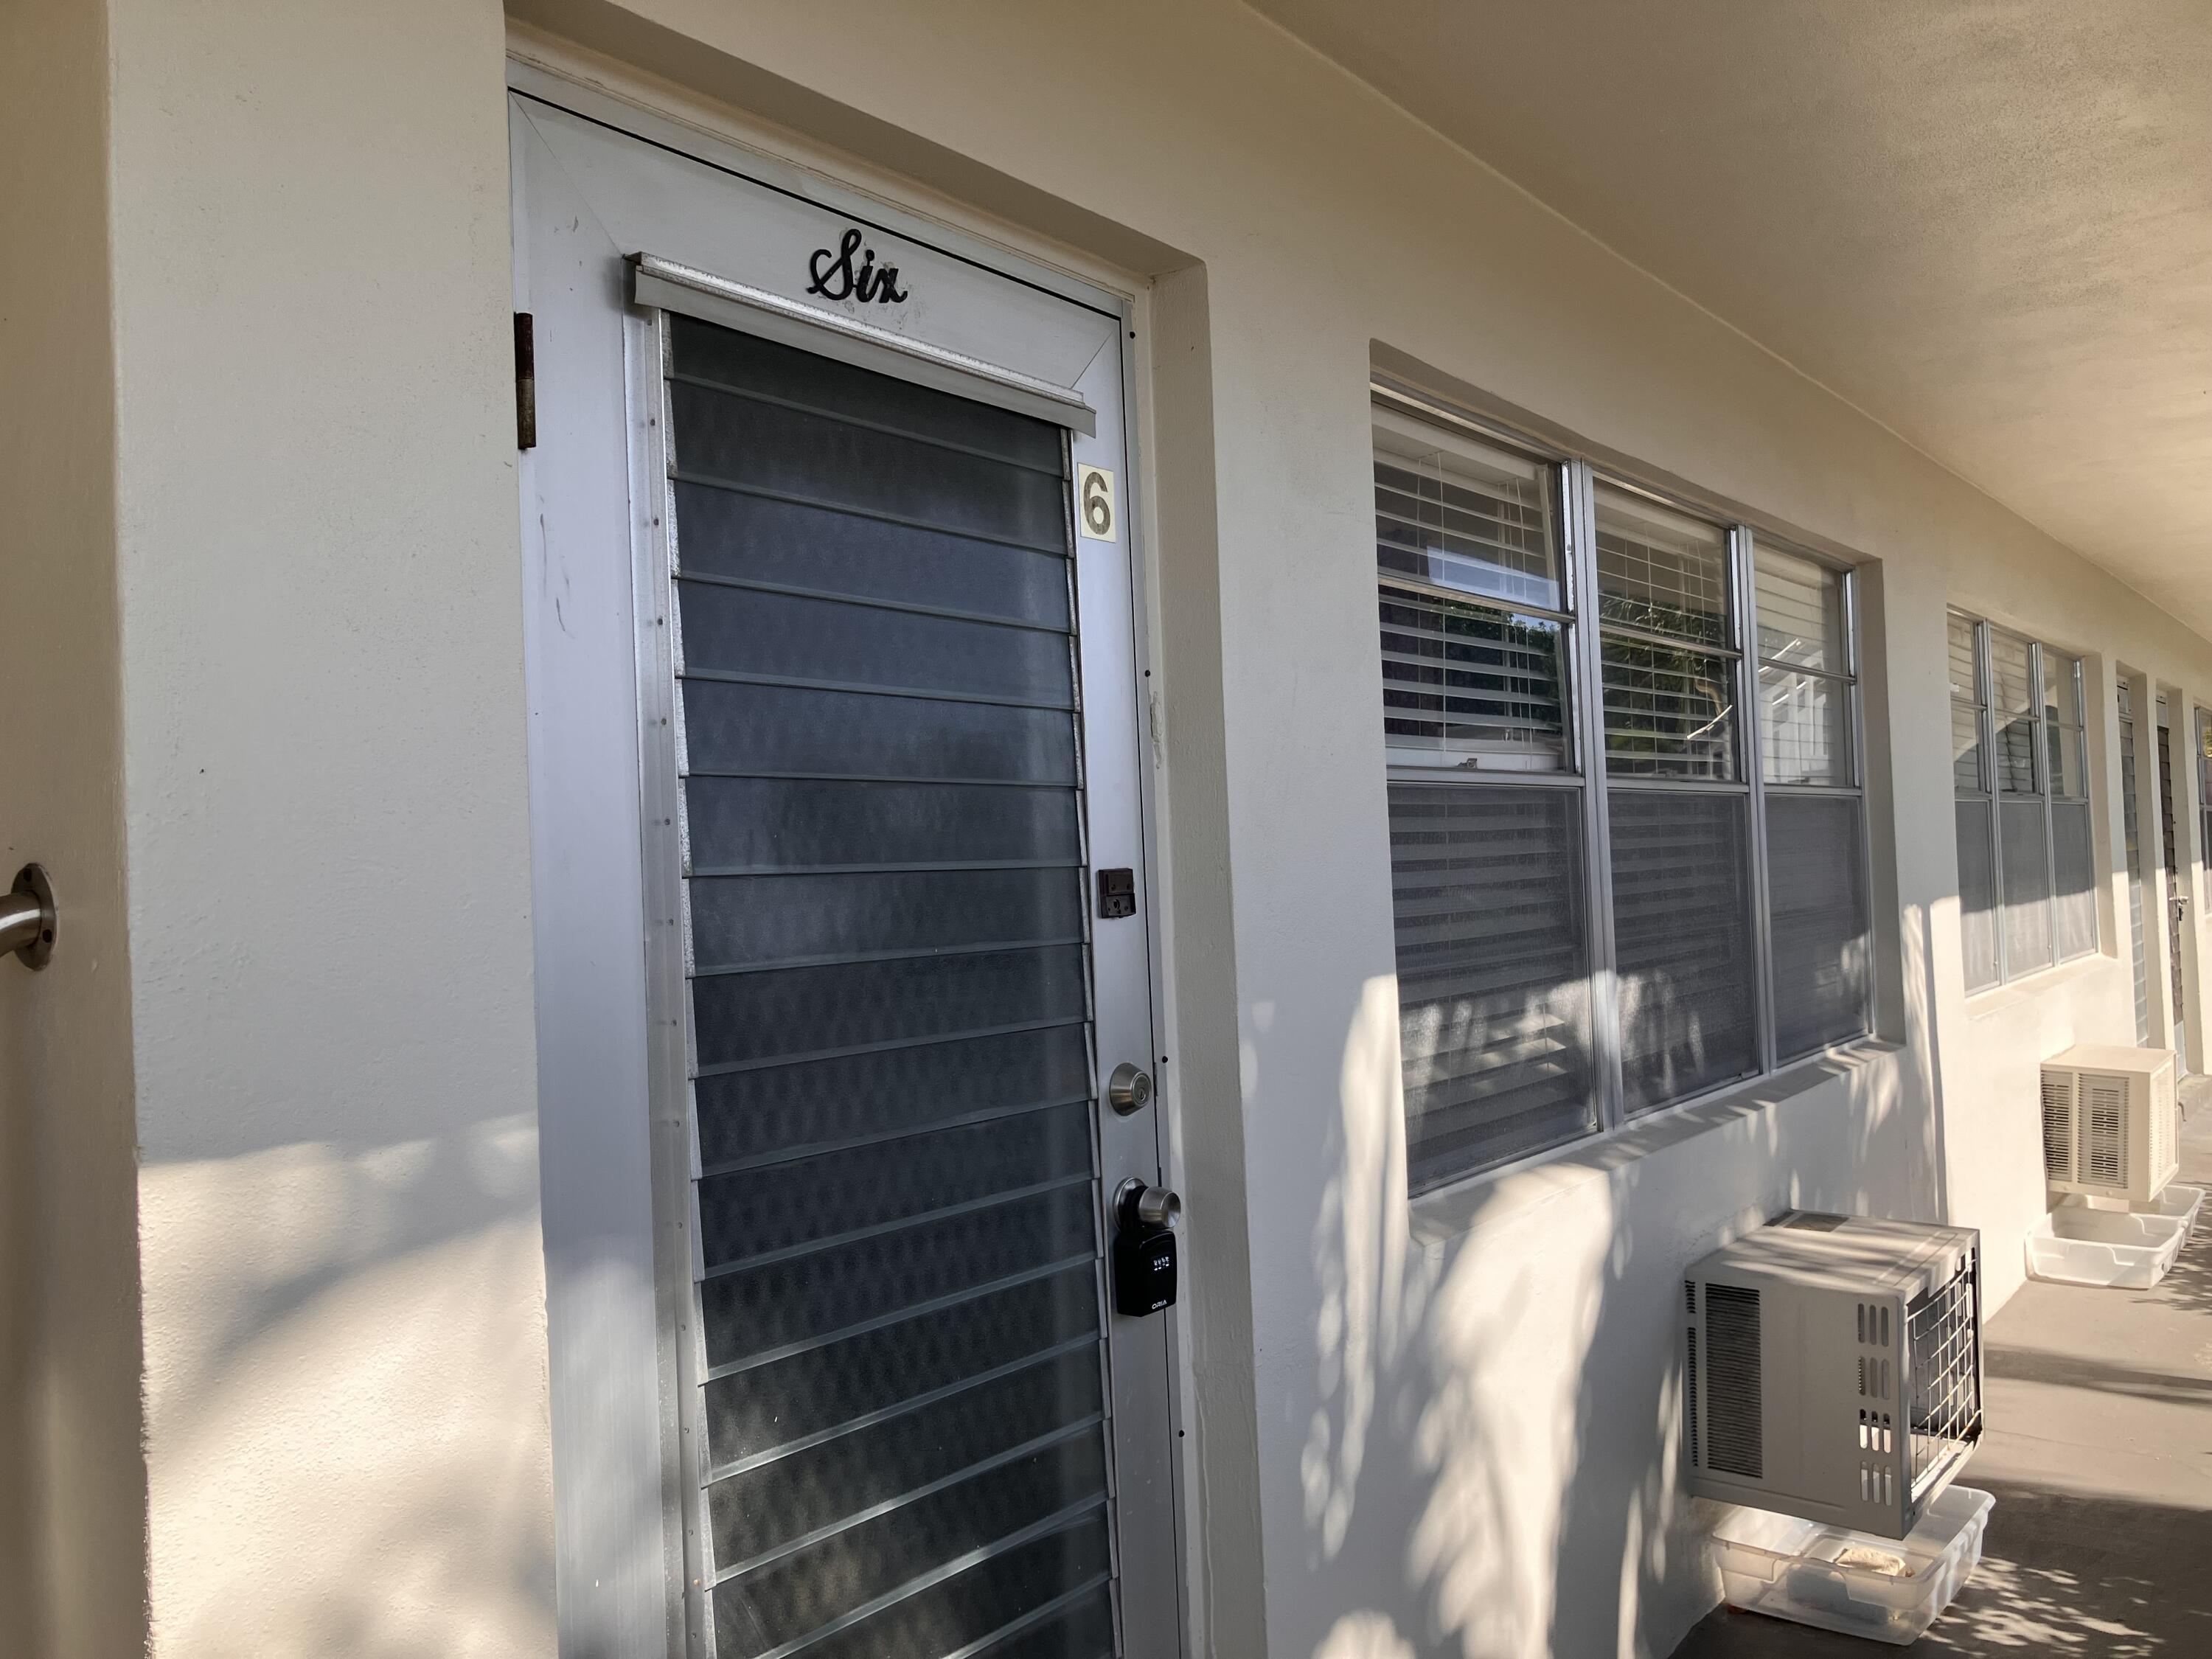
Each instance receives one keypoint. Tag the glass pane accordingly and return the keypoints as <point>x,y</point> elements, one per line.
<point>2015,754</point>
<point>1681,919</point>
<point>783,730</point>
<point>787,637</point>
<point>2027,883</point>
<point>1466,685</point>
<point>1668,712</point>
<point>725,441</point>
<point>1966,685</point>
<point>1966,776</point>
<point>2065,764</point>
<point>1816,889</point>
<point>1804,727</point>
<point>1494,974</point>
<point>1801,611</point>
<point>2074,863</point>
<point>2062,699</point>
<point>1457,513</point>
<point>1978,895</point>
<point>2008,680</point>
<point>1663,572</point>
<point>796,544</point>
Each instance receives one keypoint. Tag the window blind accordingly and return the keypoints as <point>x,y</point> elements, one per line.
<point>1682,943</point>
<point>1820,951</point>
<point>1494,974</point>
<point>1525,875</point>
<point>2027,868</point>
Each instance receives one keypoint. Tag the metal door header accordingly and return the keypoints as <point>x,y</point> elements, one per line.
<point>655,282</point>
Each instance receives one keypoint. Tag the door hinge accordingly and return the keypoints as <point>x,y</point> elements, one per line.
<point>525,382</point>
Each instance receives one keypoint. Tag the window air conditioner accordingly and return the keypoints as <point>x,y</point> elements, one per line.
<point>1832,1368</point>
<point>2112,1123</point>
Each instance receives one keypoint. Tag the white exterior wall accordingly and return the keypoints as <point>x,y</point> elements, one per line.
<point>328,832</point>
<point>1444,1427</point>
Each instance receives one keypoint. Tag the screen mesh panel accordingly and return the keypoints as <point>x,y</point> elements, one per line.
<point>2074,867</point>
<point>2026,881</point>
<point>1493,973</point>
<point>1978,894</point>
<point>896,1206</point>
<point>1822,955</point>
<point>1681,909</point>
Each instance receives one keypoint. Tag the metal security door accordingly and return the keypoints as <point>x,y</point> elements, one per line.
<point>892,857</point>
<point>900,1304</point>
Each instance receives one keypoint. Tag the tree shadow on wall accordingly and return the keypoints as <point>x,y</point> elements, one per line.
<point>1497,1422</point>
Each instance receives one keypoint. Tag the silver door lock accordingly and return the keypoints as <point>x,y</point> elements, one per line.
<point>26,918</point>
<point>1128,1089</point>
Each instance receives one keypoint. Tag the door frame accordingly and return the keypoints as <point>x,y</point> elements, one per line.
<point>539,72</point>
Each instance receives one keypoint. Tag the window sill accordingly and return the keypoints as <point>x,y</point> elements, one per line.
<point>2016,992</point>
<point>1483,1200</point>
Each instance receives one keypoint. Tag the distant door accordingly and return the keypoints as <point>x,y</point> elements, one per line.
<point>863,520</point>
<point>2131,819</point>
<point>2177,900</point>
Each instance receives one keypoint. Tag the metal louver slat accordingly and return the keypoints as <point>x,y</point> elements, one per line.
<point>2058,1088</point>
<point>1735,1431</point>
<point>2103,1116</point>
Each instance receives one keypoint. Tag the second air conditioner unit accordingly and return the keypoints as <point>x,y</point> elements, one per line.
<point>2112,1124</point>
<point>1832,1368</point>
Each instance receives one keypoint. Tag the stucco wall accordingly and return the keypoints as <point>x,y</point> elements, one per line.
<point>1452,1420</point>
<point>72,1485</point>
<point>1461,1410</point>
<point>323,706</point>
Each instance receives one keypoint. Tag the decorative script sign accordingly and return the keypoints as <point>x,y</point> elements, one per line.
<point>835,277</point>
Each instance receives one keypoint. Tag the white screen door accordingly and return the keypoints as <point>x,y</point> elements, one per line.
<point>827,1174</point>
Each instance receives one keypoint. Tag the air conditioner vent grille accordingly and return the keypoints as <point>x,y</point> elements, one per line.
<point>2105,1136</point>
<point>2058,1125</point>
<point>1735,1424</point>
<point>1690,1392</point>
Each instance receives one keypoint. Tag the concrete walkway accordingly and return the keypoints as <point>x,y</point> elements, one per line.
<point>2100,1453</point>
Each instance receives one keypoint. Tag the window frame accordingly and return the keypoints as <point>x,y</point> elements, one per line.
<point>2045,790</point>
<point>1574,481</point>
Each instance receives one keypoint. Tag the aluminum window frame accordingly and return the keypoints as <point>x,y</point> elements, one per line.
<point>1575,480</point>
<point>2044,791</point>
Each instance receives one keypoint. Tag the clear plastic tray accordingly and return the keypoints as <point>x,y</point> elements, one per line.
<point>2186,1202</point>
<point>1888,1590</point>
<point>2127,1250</point>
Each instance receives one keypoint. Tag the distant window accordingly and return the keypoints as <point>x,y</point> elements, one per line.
<point>2027,891</point>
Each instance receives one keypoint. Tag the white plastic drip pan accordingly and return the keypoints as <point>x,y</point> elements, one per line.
<point>2186,1202</point>
<point>2125,1250</point>
<point>1889,1589</point>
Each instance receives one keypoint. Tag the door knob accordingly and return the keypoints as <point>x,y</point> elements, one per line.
<point>1146,1209</point>
<point>26,918</point>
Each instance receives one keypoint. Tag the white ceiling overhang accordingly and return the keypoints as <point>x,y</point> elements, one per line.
<point>1988,225</point>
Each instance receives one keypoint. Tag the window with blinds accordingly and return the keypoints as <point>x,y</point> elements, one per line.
<point>2027,868</point>
<point>1814,809</point>
<point>1579,805</point>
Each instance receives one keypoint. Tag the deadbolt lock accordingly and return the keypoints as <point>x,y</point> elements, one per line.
<point>1128,1089</point>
